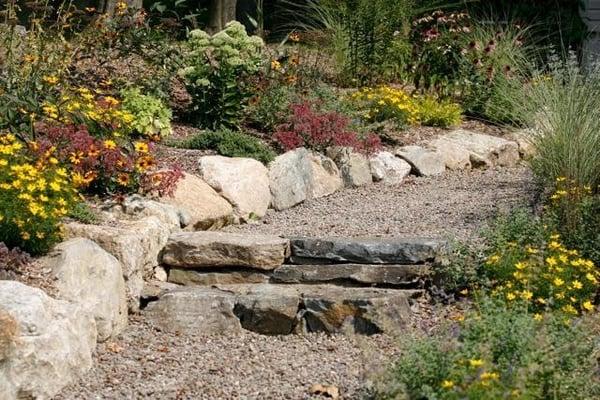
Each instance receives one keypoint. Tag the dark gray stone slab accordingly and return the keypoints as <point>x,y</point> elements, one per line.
<point>365,274</point>
<point>198,277</point>
<point>364,250</point>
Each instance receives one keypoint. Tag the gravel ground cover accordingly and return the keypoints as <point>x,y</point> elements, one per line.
<point>146,363</point>
<point>456,204</point>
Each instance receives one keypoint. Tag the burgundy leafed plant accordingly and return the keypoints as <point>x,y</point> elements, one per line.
<point>318,131</point>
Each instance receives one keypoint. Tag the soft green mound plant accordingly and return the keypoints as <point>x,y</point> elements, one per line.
<point>499,352</point>
<point>434,112</point>
<point>230,144</point>
<point>216,72</point>
<point>151,117</point>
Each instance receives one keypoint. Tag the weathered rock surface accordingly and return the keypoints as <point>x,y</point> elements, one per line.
<point>388,168</point>
<point>325,308</point>
<point>207,210</point>
<point>225,277</point>
<point>89,276</point>
<point>268,309</point>
<point>220,249</point>
<point>299,175</point>
<point>524,139</point>
<point>354,167</point>
<point>244,182</point>
<point>402,275</point>
<point>53,344</point>
<point>485,150</point>
<point>364,250</point>
<point>454,156</point>
<point>424,162</point>
<point>137,207</point>
<point>136,244</point>
<point>195,311</point>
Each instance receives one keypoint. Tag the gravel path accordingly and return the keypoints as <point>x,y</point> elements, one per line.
<point>456,204</point>
<point>148,364</point>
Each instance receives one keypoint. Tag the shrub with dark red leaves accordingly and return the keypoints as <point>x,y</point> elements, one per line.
<point>318,131</point>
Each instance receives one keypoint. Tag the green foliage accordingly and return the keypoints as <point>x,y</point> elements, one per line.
<point>271,107</point>
<point>562,108</point>
<point>574,213</point>
<point>462,270</point>
<point>499,352</point>
<point>230,144</point>
<point>216,70</point>
<point>150,115</point>
<point>83,213</point>
<point>360,33</point>
<point>434,112</point>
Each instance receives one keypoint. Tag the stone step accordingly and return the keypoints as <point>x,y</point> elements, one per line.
<point>364,250</point>
<point>341,274</point>
<point>222,249</point>
<point>281,309</point>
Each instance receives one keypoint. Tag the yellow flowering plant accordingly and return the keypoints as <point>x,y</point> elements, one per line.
<point>548,277</point>
<point>35,194</point>
<point>390,103</point>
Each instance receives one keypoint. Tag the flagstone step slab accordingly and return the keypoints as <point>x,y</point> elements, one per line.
<point>281,309</point>
<point>222,249</point>
<point>364,250</point>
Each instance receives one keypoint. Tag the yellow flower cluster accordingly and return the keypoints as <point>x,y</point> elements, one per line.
<point>34,196</point>
<point>93,109</point>
<point>470,375</point>
<point>390,103</point>
<point>552,277</point>
<point>387,103</point>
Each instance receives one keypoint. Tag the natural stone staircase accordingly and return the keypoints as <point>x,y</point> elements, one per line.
<point>273,285</point>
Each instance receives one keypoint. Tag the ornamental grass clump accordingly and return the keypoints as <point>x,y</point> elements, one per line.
<point>36,193</point>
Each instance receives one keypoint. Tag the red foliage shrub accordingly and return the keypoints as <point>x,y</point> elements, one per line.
<point>318,131</point>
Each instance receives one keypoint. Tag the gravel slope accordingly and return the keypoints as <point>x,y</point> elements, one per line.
<point>456,204</point>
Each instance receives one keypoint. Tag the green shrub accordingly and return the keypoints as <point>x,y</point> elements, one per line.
<point>230,144</point>
<point>82,212</point>
<point>499,352</point>
<point>216,70</point>
<point>434,112</point>
<point>462,270</point>
<point>151,117</point>
<point>574,213</point>
<point>271,107</point>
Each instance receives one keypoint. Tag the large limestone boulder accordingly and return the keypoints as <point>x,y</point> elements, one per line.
<point>244,182</point>
<point>137,207</point>
<point>52,345</point>
<point>424,162</point>
<point>207,210</point>
<point>454,156</point>
<point>195,311</point>
<point>389,169</point>
<point>365,250</point>
<point>354,166</point>
<point>136,244</point>
<point>221,249</point>
<point>89,276</point>
<point>485,150</point>
<point>299,175</point>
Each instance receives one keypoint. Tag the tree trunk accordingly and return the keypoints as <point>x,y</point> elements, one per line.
<point>221,12</point>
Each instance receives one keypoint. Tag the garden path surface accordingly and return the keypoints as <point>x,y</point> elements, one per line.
<point>145,363</point>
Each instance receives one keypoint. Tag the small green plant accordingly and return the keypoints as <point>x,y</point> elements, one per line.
<point>499,352</point>
<point>82,212</point>
<point>151,117</point>
<point>271,107</point>
<point>230,144</point>
<point>216,72</point>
